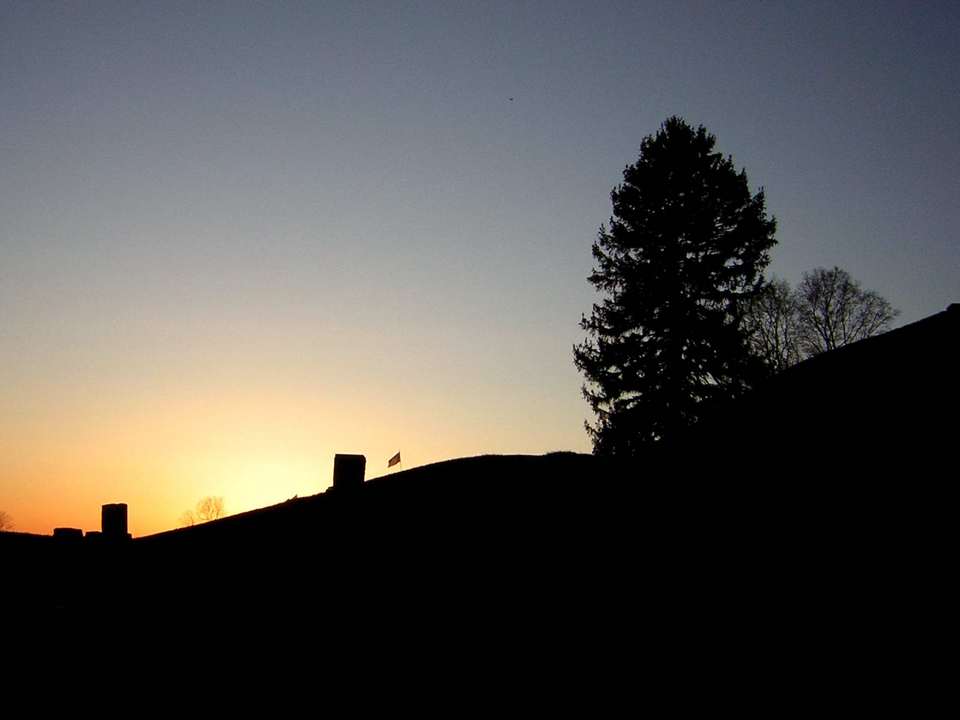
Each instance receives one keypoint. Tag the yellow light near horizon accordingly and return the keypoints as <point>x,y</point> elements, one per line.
<point>256,479</point>
<point>254,440</point>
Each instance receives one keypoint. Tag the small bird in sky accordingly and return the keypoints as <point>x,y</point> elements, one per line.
<point>511,99</point>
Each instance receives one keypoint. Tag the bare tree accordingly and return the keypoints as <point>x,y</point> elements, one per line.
<point>208,508</point>
<point>835,311</point>
<point>826,311</point>
<point>6,522</point>
<point>772,325</point>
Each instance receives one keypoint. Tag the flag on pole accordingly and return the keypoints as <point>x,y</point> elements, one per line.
<point>395,460</point>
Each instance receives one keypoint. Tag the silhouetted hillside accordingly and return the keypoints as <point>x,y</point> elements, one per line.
<point>481,522</point>
<point>888,398</point>
<point>809,515</point>
<point>455,535</point>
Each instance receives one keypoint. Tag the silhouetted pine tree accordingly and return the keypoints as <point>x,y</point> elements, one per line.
<point>686,247</point>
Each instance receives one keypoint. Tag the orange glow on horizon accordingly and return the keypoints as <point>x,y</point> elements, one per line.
<point>253,450</point>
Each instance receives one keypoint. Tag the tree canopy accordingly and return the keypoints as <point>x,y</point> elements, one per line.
<point>684,251</point>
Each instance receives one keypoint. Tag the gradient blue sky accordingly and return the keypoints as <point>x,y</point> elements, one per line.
<point>236,238</point>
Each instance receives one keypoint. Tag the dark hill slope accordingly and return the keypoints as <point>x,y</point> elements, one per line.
<point>886,404</point>
<point>565,553</point>
<point>849,454</point>
<point>467,527</point>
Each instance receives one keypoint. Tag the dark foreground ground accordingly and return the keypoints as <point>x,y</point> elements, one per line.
<point>679,560</point>
<point>799,542</point>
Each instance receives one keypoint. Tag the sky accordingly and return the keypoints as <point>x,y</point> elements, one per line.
<point>238,238</point>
